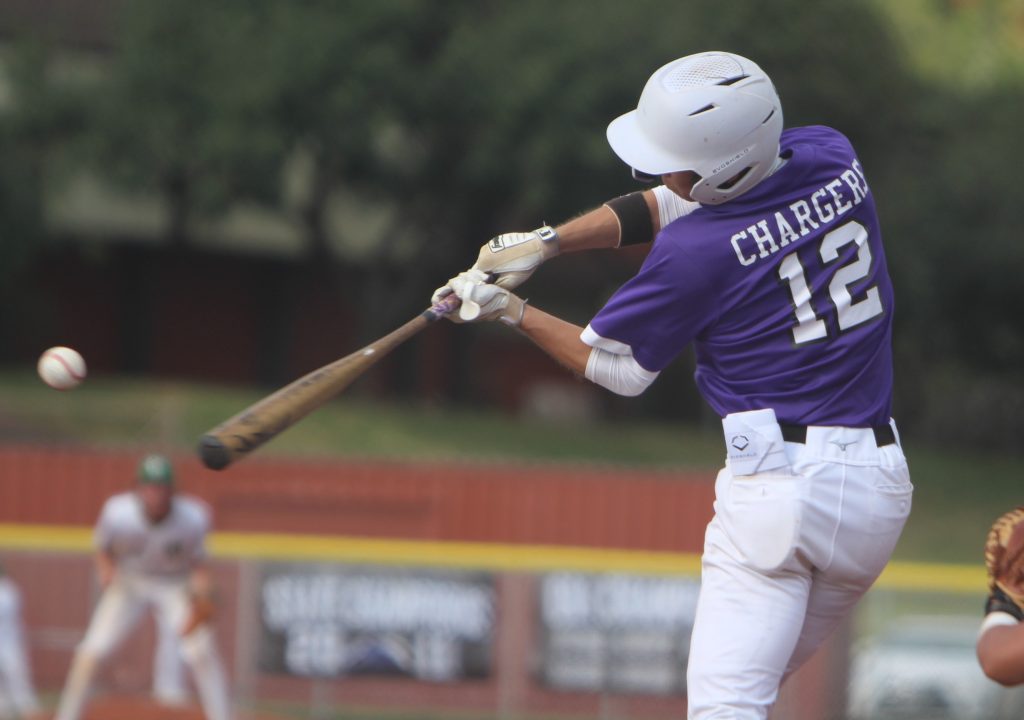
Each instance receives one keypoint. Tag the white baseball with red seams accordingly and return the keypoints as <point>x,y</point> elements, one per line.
<point>61,368</point>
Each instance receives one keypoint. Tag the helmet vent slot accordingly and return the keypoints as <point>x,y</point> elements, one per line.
<point>768,117</point>
<point>732,80</point>
<point>704,109</point>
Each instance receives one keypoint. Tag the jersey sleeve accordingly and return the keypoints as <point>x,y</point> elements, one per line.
<point>10,603</point>
<point>103,533</point>
<point>658,312</point>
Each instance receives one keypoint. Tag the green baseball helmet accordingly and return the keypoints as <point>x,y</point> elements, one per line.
<point>155,470</point>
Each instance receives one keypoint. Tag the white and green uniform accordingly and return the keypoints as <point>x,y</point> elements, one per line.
<point>153,563</point>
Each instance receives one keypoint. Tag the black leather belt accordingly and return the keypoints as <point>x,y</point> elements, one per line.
<point>884,434</point>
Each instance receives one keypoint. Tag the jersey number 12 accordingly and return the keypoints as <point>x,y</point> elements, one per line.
<point>809,327</point>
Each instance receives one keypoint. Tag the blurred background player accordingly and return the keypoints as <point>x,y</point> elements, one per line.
<point>768,258</point>
<point>151,552</point>
<point>1001,641</point>
<point>17,697</point>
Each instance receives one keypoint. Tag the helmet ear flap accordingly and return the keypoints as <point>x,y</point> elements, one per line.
<point>735,179</point>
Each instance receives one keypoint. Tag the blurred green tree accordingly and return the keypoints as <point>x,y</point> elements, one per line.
<point>180,112</point>
<point>39,115</point>
<point>451,121</point>
<point>464,118</point>
<point>26,126</point>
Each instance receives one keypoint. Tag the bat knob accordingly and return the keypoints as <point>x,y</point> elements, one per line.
<point>213,452</point>
<point>469,310</point>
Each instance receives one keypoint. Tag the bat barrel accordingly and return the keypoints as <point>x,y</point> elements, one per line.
<point>213,452</point>
<point>238,436</point>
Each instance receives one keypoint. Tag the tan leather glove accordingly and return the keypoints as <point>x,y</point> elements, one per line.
<point>1004,560</point>
<point>511,258</point>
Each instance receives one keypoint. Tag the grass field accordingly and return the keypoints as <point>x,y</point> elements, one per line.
<point>116,413</point>
<point>958,493</point>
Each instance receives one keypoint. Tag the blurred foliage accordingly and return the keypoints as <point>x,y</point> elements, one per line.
<point>456,120</point>
<point>37,117</point>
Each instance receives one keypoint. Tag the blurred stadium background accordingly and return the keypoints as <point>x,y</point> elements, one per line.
<point>209,199</point>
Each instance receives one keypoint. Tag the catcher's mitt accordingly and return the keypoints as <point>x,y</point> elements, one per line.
<point>203,610</point>
<point>1004,559</point>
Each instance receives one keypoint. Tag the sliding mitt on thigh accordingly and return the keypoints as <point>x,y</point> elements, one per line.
<point>1004,559</point>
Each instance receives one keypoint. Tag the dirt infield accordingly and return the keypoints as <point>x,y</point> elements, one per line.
<point>143,708</point>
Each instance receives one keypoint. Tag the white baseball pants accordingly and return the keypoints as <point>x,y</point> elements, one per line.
<point>118,612</point>
<point>786,556</point>
<point>169,686</point>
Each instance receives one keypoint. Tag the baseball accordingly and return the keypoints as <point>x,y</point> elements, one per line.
<point>61,368</point>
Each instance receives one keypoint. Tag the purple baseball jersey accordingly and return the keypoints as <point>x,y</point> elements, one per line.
<point>784,293</point>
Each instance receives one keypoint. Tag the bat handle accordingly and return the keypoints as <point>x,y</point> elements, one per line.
<point>447,304</point>
<point>450,303</point>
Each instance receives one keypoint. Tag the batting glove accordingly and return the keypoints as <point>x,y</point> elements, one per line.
<point>511,258</point>
<point>484,301</point>
<point>446,293</point>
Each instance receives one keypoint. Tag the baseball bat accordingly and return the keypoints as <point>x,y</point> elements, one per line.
<point>239,435</point>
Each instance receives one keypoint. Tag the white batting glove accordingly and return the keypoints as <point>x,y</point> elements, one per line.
<point>484,301</point>
<point>445,291</point>
<point>511,258</point>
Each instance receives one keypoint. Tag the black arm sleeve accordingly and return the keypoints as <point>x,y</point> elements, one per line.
<point>999,602</point>
<point>635,225</point>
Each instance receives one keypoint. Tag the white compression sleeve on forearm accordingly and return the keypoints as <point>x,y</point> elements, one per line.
<point>671,206</point>
<point>611,365</point>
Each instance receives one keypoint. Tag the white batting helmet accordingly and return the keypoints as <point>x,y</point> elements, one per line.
<point>714,113</point>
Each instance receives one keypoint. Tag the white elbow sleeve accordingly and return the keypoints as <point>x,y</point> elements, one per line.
<point>671,206</point>
<point>619,373</point>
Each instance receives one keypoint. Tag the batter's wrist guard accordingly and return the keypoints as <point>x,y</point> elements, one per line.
<point>550,242</point>
<point>514,311</point>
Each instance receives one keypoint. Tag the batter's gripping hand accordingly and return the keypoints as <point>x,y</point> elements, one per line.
<point>511,258</point>
<point>1004,560</point>
<point>203,610</point>
<point>484,301</point>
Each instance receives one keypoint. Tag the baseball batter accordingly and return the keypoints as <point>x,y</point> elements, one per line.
<point>1001,640</point>
<point>767,258</point>
<point>150,552</point>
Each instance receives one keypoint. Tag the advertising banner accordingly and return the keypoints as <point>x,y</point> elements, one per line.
<point>621,633</point>
<point>334,620</point>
